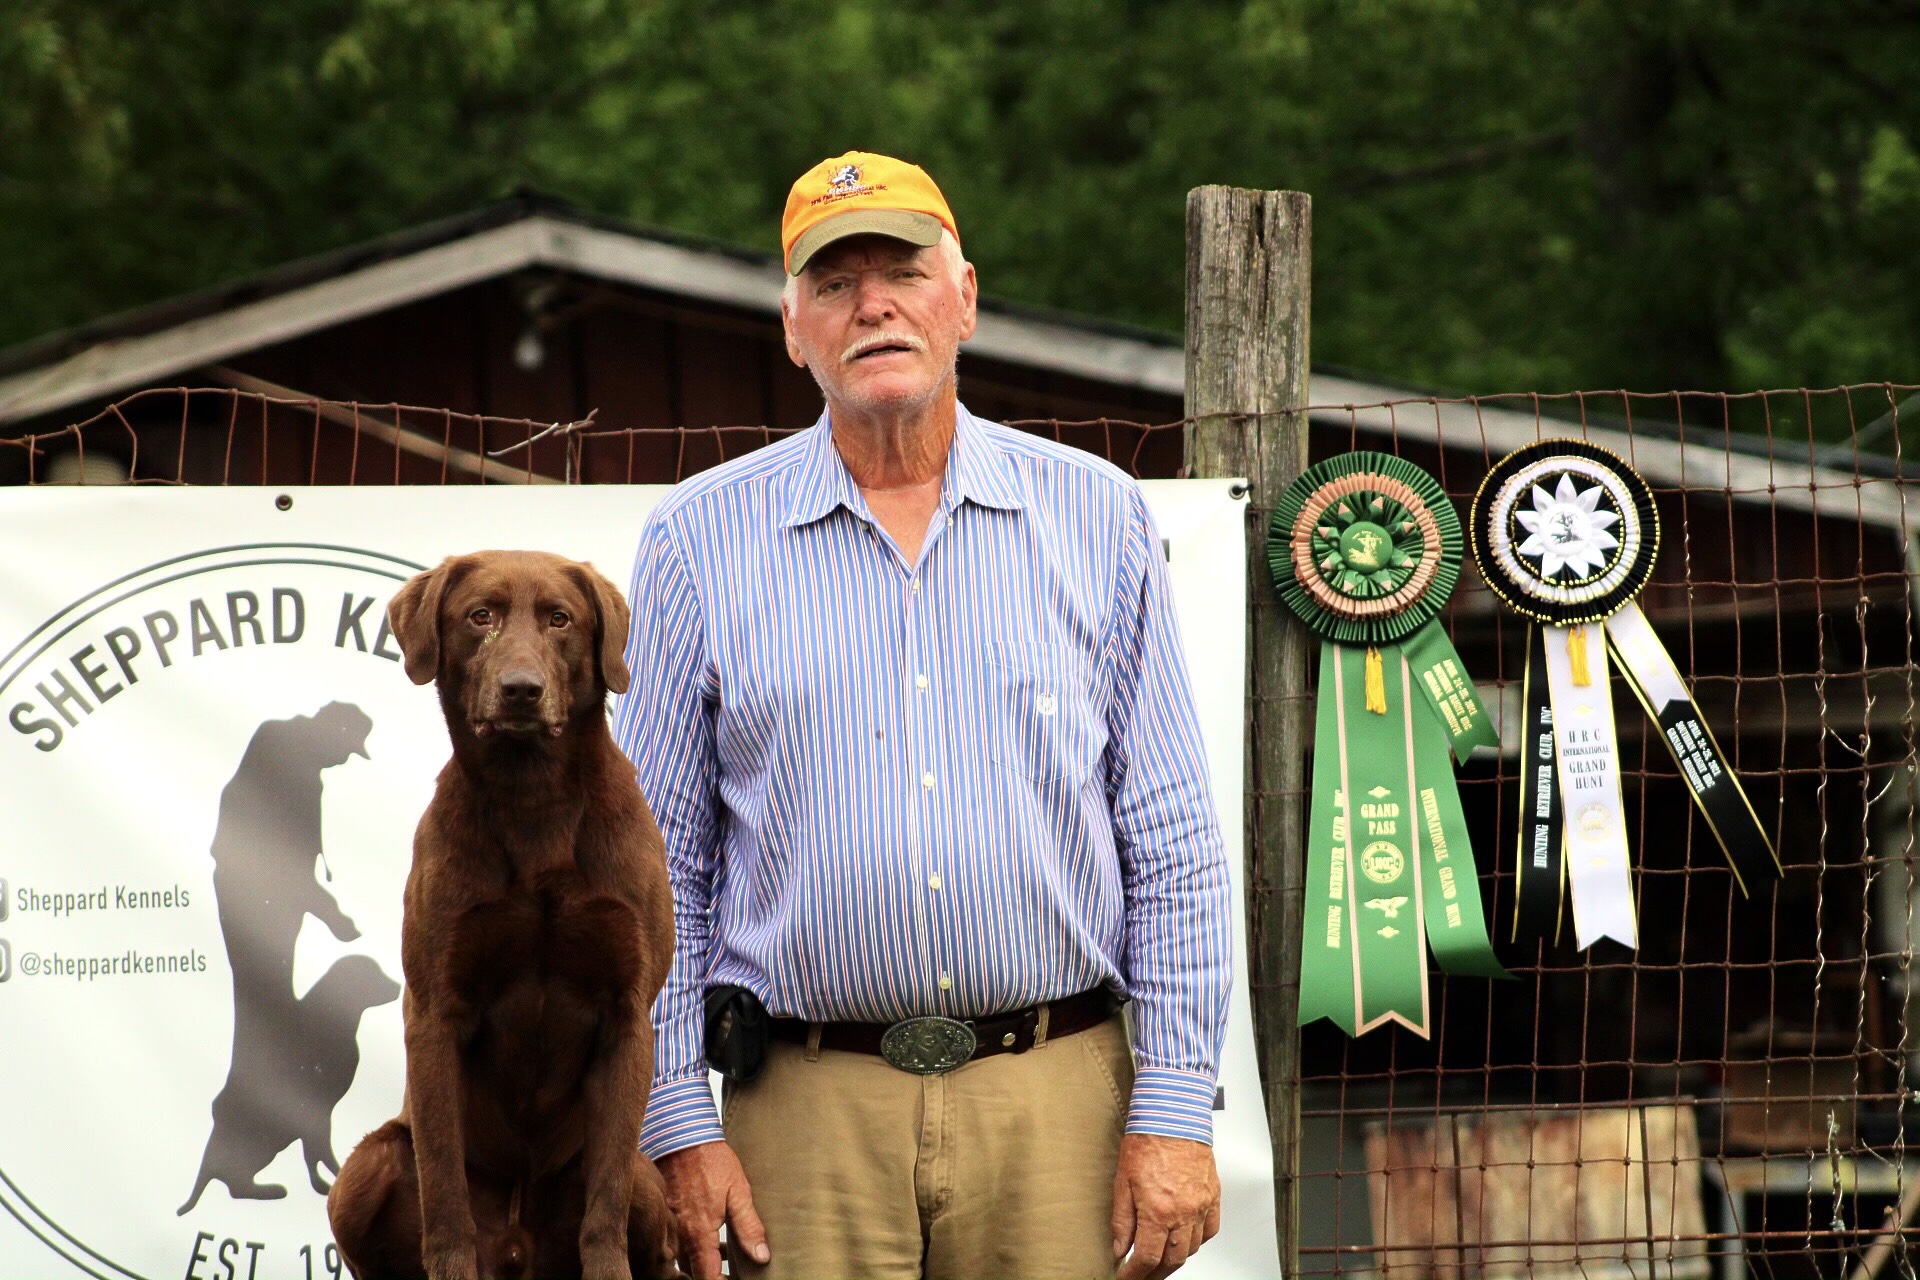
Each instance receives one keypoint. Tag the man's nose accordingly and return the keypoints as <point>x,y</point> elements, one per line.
<point>873,301</point>
<point>521,687</point>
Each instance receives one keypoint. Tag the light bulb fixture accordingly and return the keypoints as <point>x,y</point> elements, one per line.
<point>530,352</point>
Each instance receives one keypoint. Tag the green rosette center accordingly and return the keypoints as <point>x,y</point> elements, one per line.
<point>1367,558</point>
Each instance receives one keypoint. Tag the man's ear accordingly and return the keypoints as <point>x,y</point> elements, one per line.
<point>413,615</point>
<point>794,353</point>
<point>969,301</point>
<point>614,619</point>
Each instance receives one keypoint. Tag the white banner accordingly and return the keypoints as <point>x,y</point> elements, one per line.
<point>211,768</point>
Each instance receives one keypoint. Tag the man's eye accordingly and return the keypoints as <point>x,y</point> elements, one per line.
<point>481,617</point>
<point>559,618</point>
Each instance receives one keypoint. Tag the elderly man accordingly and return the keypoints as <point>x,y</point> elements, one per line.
<point>910,706</point>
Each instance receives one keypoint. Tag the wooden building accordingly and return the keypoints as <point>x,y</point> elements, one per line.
<point>531,309</point>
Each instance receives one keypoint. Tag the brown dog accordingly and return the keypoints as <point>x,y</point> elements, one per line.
<point>538,930</point>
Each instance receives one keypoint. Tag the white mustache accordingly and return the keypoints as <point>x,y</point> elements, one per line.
<point>883,339</point>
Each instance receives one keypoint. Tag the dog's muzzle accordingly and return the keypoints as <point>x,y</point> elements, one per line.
<point>928,1046</point>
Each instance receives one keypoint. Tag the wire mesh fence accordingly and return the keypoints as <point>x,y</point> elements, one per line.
<point>1732,1098</point>
<point>221,435</point>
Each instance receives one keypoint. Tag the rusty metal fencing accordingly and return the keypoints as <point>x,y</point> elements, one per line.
<point>1731,1098</point>
<point>219,435</point>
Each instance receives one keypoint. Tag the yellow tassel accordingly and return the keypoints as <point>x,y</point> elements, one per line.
<point>1577,656</point>
<point>1376,683</point>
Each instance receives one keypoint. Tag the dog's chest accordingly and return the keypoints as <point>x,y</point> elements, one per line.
<point>555,935</point>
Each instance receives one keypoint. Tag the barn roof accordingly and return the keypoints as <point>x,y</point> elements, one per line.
<point>137,347</point>
<point>172,338</point>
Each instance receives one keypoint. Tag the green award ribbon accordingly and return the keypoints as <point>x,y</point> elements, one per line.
<point>1366,548</point>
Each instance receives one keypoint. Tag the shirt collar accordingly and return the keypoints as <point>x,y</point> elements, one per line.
<point>977,471</point>
<point>821,482</point>
<point>977,468</point>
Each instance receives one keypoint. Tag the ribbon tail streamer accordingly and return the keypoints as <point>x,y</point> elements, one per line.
<point>1390,868</point>
<point>1540,871</point>
<point>1383,889</point>
<point>1326,952</point>
<point>1456,928</point>
<point>1594,818</point>
<point>1442,678</point>
<point>1711,781</point>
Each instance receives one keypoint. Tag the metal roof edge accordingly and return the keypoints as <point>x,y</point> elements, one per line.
<point>1795,483</point>
<point>314,268</point>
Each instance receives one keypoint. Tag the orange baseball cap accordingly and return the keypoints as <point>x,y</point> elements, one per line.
<point>861,193</point>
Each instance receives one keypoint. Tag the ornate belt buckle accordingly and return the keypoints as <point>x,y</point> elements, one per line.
<point>928,1046</point>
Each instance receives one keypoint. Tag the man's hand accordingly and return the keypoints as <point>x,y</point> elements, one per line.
<point>705,1187</point>
<point>1166,1204</point>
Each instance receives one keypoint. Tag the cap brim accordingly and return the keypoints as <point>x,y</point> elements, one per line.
<point>919,229</point>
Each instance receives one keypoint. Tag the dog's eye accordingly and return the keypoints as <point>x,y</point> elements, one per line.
<point>481,617</point>
<point>559,618</point>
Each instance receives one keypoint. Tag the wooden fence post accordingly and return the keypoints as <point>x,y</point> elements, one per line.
<point>1249,267</point>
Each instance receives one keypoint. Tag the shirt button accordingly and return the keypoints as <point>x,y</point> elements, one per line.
<point>946,982</point>
<point>920,682</point>
<point>916,584</point>
<point>933,881</point>
<point>926,780</point>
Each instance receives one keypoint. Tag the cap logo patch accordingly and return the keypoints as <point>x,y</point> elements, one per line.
<point>847,176</point>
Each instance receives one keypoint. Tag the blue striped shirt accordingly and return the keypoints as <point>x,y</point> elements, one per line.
<point>955,787</point>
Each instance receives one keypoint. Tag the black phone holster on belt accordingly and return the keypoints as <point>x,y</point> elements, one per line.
<point>736,1038</point>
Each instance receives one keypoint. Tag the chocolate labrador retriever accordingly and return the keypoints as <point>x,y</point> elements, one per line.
<point>538,929</point>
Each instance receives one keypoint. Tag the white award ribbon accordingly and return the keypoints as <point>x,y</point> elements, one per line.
<point>1593,817</point>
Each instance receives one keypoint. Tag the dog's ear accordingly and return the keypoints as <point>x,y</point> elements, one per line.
<point>610,634</point>
<point>413,615</point>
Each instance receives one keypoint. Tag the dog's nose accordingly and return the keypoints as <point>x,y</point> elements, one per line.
<point>521,688</point>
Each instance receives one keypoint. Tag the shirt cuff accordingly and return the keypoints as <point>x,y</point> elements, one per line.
<point>1167,1104</point>
<point>680,1114</point>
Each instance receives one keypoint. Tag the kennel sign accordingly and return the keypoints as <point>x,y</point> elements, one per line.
<point>211,764</point>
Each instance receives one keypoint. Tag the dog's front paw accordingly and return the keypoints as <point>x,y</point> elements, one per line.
<point>459,1262</point>
<point>605,1262</point>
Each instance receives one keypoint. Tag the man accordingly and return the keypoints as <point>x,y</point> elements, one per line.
<point>910,707</point>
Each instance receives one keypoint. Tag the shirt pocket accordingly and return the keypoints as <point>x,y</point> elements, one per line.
<point>1042,724</point>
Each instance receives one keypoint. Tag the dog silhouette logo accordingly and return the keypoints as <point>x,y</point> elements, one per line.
<point>294,1058</point>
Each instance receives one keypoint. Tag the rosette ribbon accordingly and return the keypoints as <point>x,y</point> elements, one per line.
<point>1566,533</point>
<point>1366,548</point>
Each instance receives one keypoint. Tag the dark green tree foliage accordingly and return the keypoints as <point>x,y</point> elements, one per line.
<point>1637,193</point>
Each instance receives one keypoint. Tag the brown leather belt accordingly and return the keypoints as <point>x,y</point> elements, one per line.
<point>928,1046</point>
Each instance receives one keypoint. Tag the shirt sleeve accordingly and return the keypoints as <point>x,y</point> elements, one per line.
<point>665,725</point>
<point>1178,950</point>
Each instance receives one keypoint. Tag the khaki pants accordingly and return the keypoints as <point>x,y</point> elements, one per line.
<point>1002,1169</point>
